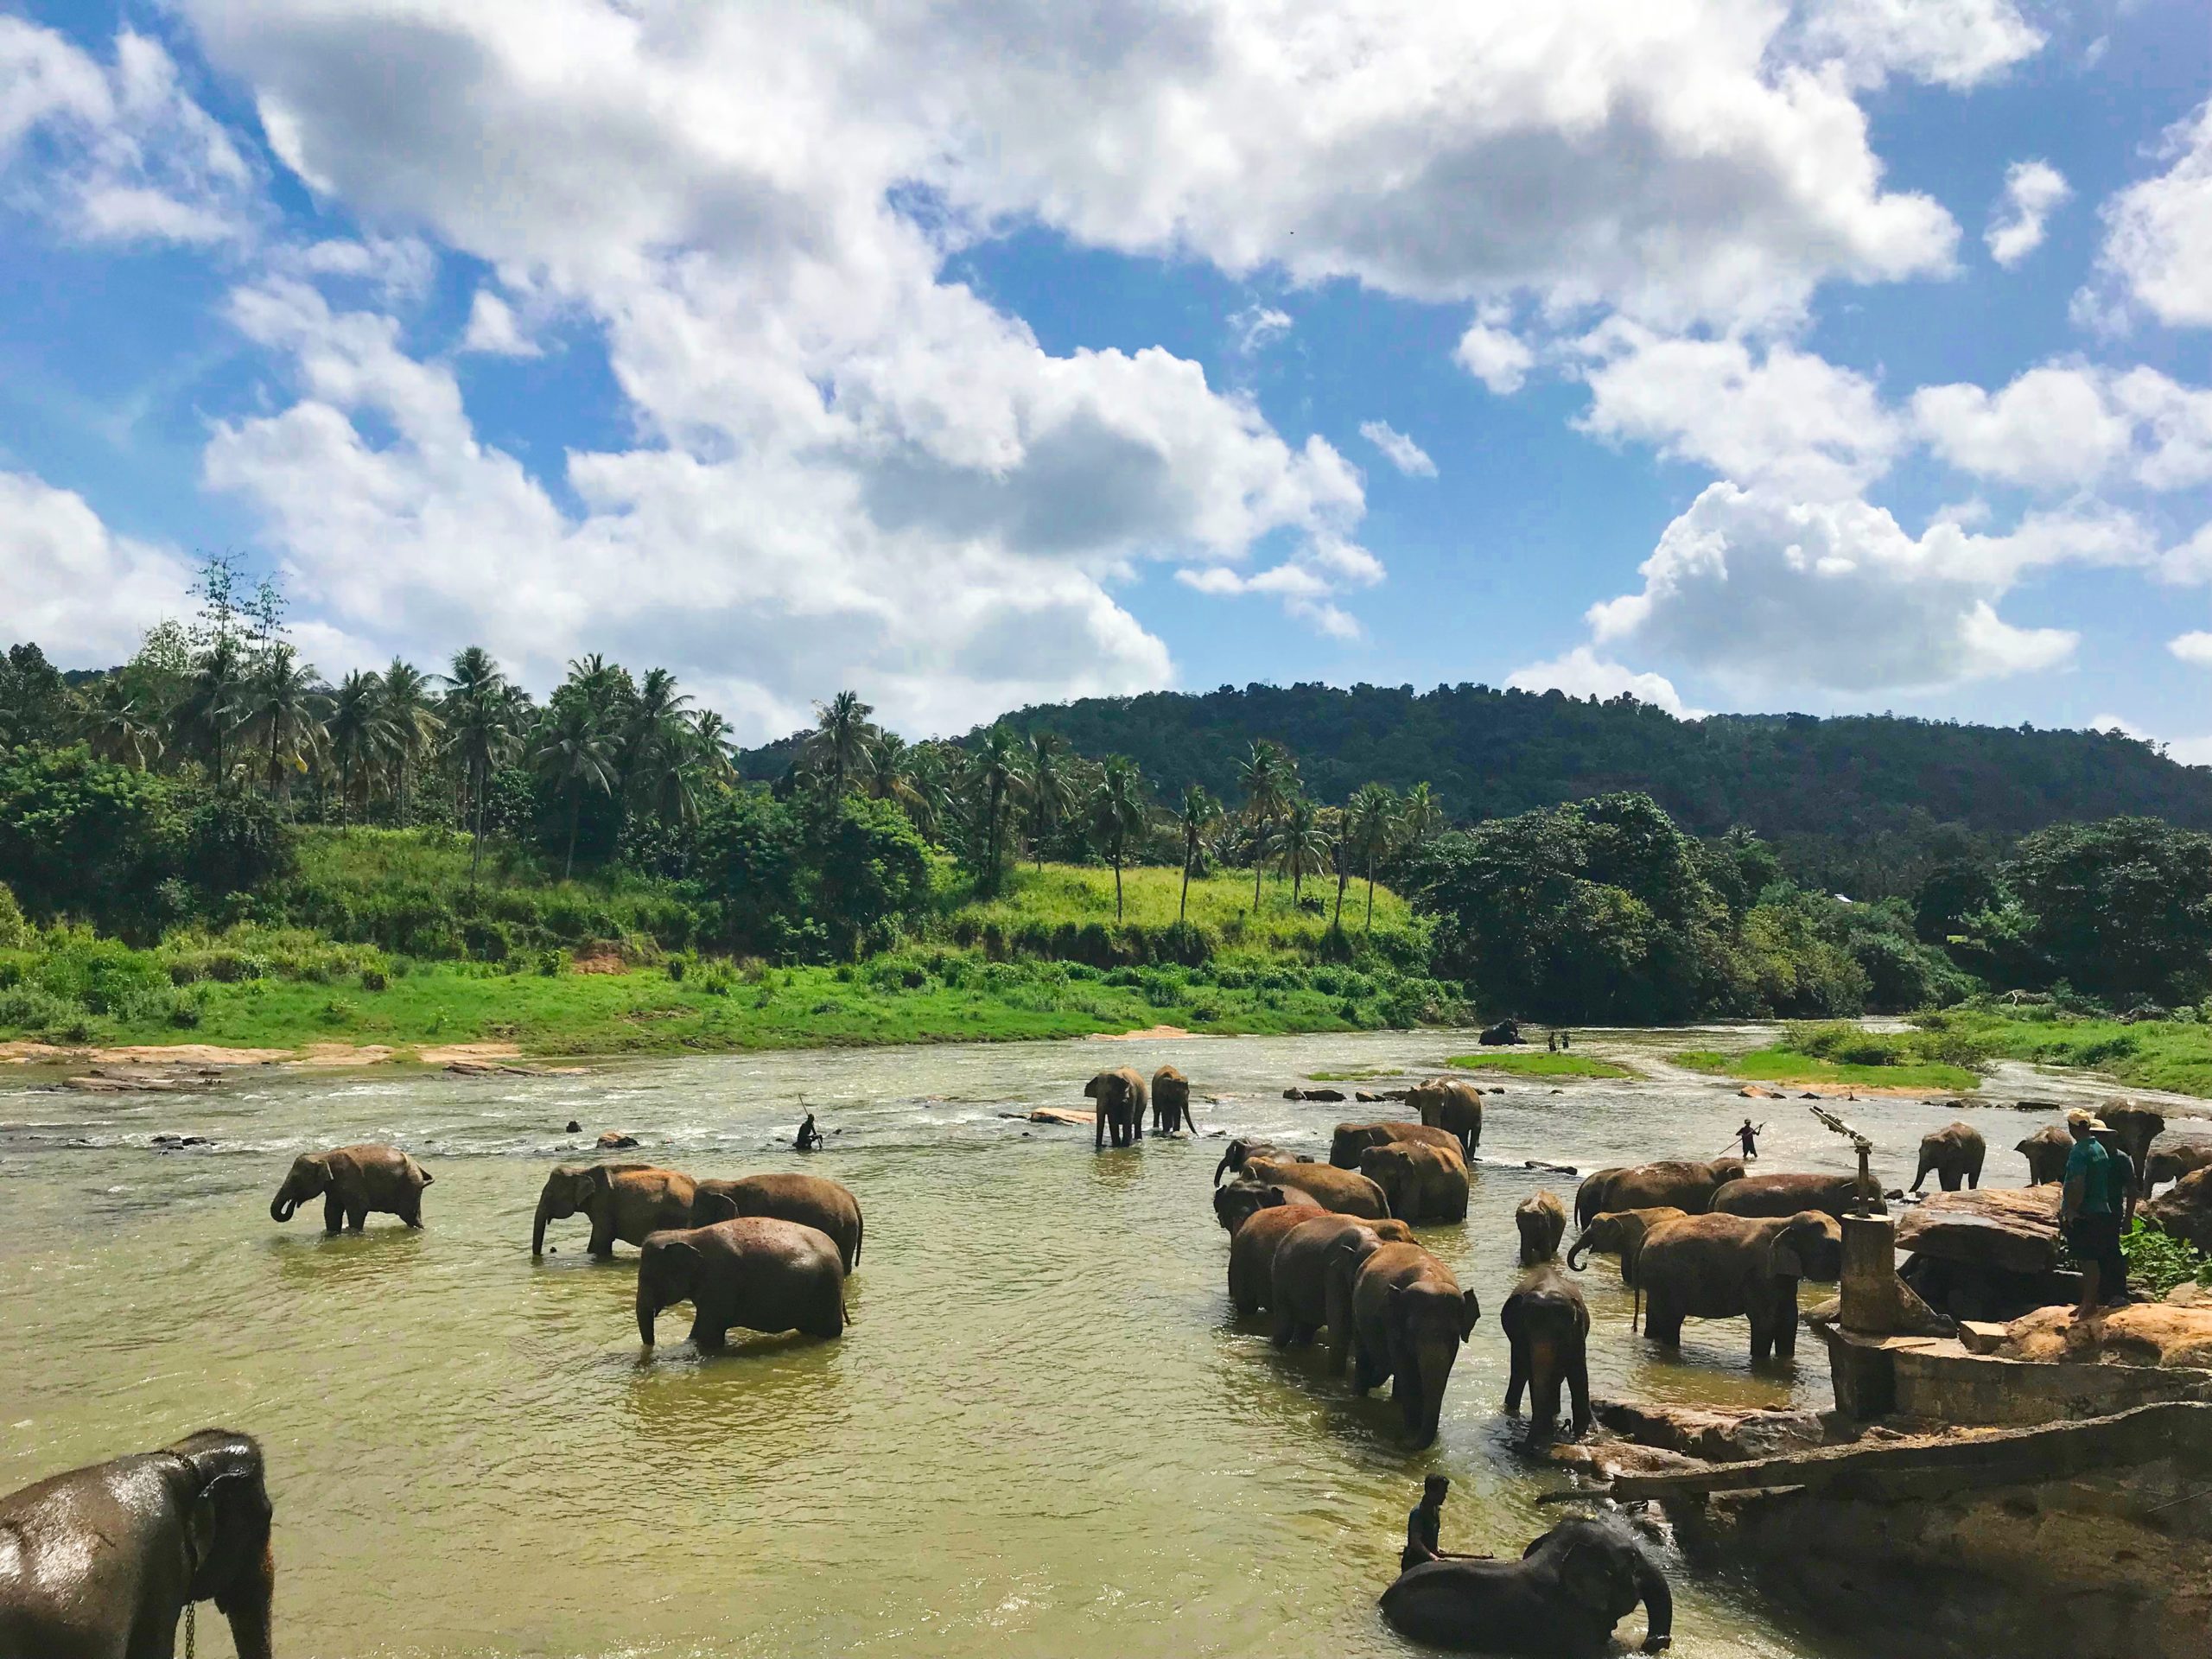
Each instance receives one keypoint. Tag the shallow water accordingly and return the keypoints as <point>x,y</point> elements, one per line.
<point>1044,1435</point>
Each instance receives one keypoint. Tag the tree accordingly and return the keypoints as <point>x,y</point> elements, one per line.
<point>280,703</point>
<point>355,729</point>
<point>1268,778</point>
<point>1371,824</point>
<point>1198,814</point>
<point>657,745</point>
<point>1304,846</point>
<point>410,726</point>
<point>118,729</point>
<point>481,729</point>
<point>32,697</point>
<point>840,740</point>
<point>2122,908</point>
<point>574,754</point>
<point>1119,812</point>
<point>1050,789</point>
<point>205,714</point>
<point>995,777</point>
<point>1421,817</point>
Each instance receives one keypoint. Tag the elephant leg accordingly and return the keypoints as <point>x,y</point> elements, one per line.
<point>1662,1324</point>
<point>1339,1307</point>
<point>1365,1373</point>
<point>357,1216</point>
<point>1578,1388</point>
<point>1517,1380</point>
<point>1286,1332</point>
<point>334,1213</point>
<point>1950,1178</point>
<point>710,1333</point>
<point>602,1241</point>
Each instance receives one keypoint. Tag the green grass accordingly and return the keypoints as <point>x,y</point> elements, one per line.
<point>1782,1063</point>
<point>1546,1064</point>
<point>1078,894</point>
<point>2173,1055</point>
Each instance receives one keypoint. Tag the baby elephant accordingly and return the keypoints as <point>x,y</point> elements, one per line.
<point>1547,1325</point>
<point>756,1272</point>
<point>354,1180</point>
<point>1541,1219</point>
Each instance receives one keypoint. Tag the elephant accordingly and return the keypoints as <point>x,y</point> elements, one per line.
<point>1236,1204</point>
<point>2185,1210</point>
<point>1421,1183</point>
<point>624,1201</point>
<point>763,1274</point>
<point>1721,1267</point>
<point>1309,1282</point>
<point>1119,1095</point>
<point>101,1562</point>
<point>1621,1233</point>
<point>1785,1194</point>
<point>2174,1155</point>
<point>1240,1151</point>
<point>2046,1151</point>
<point>1686,1185</point>
<point>1506,1034</point>
<point>1954,1153</point>
<point>1548,1326</point>
<point>1541,1220</point>
<point>354,1180</point>
<point>1344,1191</point>
<point>1352,1138</point>
<point>1560,1601</point>
<point>1409,1318</point>
<point>1452,1104</point>
<point>2135,1128</point>
<point>1252,1254</point>
<point>1171,1102</point>
<point>811,1200</point>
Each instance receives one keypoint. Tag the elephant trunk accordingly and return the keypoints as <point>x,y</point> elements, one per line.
<point>647,1309</point>
<point>1658,1605</point>
<point>1221,1168</point>
<point>280,1207</point>
<point>1431,1371</point>
<point>247,1604</point>
<point>538,1231</point>
<point>1580,1247</point>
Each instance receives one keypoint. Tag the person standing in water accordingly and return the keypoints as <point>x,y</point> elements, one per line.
<point>1748,1137</point>
<point>1424,1527</point>
<point>809,1138</point>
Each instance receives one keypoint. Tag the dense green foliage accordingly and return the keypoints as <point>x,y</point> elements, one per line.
<point>2157,1261</point>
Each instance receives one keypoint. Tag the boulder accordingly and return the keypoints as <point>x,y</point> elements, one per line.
<point>1060,1115</point>
<point>2142,1333</point>
<point>1753,1091</point>
<point>1715,1433</point>
<point>2180,1151</point>
<point>2012,1228</point>
<point>1323,1095</point>
<point>1365,1096</point>
<point>2185,1208</point>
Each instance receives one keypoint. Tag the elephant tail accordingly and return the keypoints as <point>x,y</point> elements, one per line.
<point>860,1234</point>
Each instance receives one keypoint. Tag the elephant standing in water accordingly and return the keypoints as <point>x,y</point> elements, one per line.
<point>1421,1183</point>
<point>1119,1095</point>
<point>1352,1140</point>
<point>810,1200</point>
<point>1451,1104</point>
<point>1236,1204</point>
<point>351,1181</point>
<point>1547,1325</point>
<point>1310,1284</point>
<point>2045,1151</point>
<point>1560,1601</point>
<point>1724,1266</point>
<point>1542,1220</point>
<point>1683,1183</point>
<point>1171,1102</point>
<point>756,1272</point>
<point>101,1562</point>
<point>1621,1233</point>
<point>624,1201</point>
<point>1953,1154</point>
<point>1409,1318</point>
<point>1785,1194</point>
<point>2135,1128</point>
<point>1344,1191</point>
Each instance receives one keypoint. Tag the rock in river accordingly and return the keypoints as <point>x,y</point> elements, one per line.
<point>2012,1228</point>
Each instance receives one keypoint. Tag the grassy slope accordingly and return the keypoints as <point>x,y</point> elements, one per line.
<point>1784,1064</point>
<point>1072,893</point>
<point>2151,1055</point>
<point>1540,1065</point>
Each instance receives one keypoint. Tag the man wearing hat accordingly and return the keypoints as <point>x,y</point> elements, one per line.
<point>2089,1215</point>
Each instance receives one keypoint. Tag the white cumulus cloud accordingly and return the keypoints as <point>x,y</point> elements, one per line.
<point>2032,190</point>
<point>83,592</point>
<point>2158,232</point>
<point>2070,425</point>
<point>1947,42</point>
<point>1582,673</point>
<point>1495,356</point>
<point>494,330</point>
<point>1400,450</point>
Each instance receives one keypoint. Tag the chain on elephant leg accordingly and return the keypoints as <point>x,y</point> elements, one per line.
<point>191,1627</point>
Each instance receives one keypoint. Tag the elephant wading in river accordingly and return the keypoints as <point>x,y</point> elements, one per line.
<point>1682,1183</point>
<point>1310,1282</point>
<point>1785,1194</point>
<point>1542,1220</point>
<point>811,1200</point>
<point>756,1272</point>
<point>1252,1254</point>
<point>1621,1233</point>
<point>1419,1182</point>
<point>1409,1318</point>
<point>1341,1190</point>
<point>1120,1097</point>
<point>1236,1204</point>
<point>2135,1128</point>
<point>2045,1151</point>
<point>1953,1154</point>
<point>1453,1105</point>
<point>1560,1601</point>
<point>1723,1266</point>
<point>1239,1152</point>
<point>1171,1102</point>
<point>351,1181</point>
<point>624,1201</point>
<point>101,1562</point>
<point>1548,1326</point>
<point>1352,1140</point>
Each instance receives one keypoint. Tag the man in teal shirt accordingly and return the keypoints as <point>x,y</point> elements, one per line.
<point>2088,1214</point>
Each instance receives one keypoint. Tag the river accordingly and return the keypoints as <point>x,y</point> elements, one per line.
<point>1044,1435</point>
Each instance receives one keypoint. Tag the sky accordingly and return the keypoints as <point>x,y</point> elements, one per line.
<point>1831,357</point>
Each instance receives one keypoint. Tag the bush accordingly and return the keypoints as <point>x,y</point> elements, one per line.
<point>14,932</point>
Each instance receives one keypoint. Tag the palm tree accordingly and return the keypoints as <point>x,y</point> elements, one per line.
<point>411,726</point>
<point>572,751</point>
<point>716,746</point>
<point>118,729</point>
<point>1268,780</point>
<point>925,789</point>
<point>355,729</point>
<point>655,733</point>
<point>208,709</point>
<point>481,729</point>
<point>1118,811</point>
<point>282,700</point>
<point>1421,817</point>
<point>1051,790</point>
<point>1303,847</point>
<point>1371,825</point>
<point>995,776</point>
<point>1199,813</point>
<point>842,739</point>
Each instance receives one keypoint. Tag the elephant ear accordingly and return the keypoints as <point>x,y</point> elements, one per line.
<point>598,1183</point>
<point>708,1208</point>
<point>1470,1311</point>
<point>1593,1575</point>
<point>1783,1260</point>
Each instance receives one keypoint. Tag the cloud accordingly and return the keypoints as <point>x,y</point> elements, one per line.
<point>1498,359</point>
<point>2032,190</point>
<point>1259,327</point>
<point>1957,43</point>
<point>1582,673</point>
<point>2070,425</point>
<point>1781,416</point>
<point>116,152</point>
<point>1763,592</point>
<point>492,328</point>
<point>2195,648</point>
<point>85,594</point>
<point>2157,244</point>
<point>1402,451</point>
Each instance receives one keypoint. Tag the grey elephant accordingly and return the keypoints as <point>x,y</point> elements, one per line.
<point>1721,1267</point>
<point>624,1201</point>
<point>2046,1151</point>
<point>1311,1279</point>
<point>1785,1194</point>
<point>1540,1219</point>
<point>1240,1151</point>
<point>1171,1102</point>
<point>2174,1155</point>
<point>1953,1154</point>
<point>1547,1326</point>
<point>1350,1139</point>
<point>1419,1182</point>
<point>1408,1318</point>
<point>1346,1192</point>
<point>351,1181</point>
<point>1119,1095</point>
<point>1452,1104</point>
<point>810,1200</point>
<point>1683,1183</point>
<point>1234,1204</point>
<point>1621,1233</point>
<point>101,1562</point>
<point>1252,1254</point>
<point>756,1272</point>
<point>1560,1601</point>
<point>2135,1128</point>
<point>2184,1210</point>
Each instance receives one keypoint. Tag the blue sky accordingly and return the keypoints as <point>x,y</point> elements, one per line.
<point>1745,355</point>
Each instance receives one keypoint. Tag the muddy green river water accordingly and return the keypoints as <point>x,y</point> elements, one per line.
<point>1044,1435</point>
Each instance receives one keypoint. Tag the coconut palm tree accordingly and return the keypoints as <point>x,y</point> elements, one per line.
<point>280,703</point>
<point>481,728</point>
<point>716,745</point>
<point>1370,828</point>
<point>841,738</point>
<point>926,790</point>
<point>354,730</point>
<point>207,713</point>
<point>1198,814</point>
<point>1303,847</point>
<point>1421,817</point>
<point>1050,789</point>
<point>1269,779</point>
<point>573,751</point>
<point>655,733</point>
<point>995,777</point>
<point>410,726</point>
<point>118,729</point>
<point>1118,812</point>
